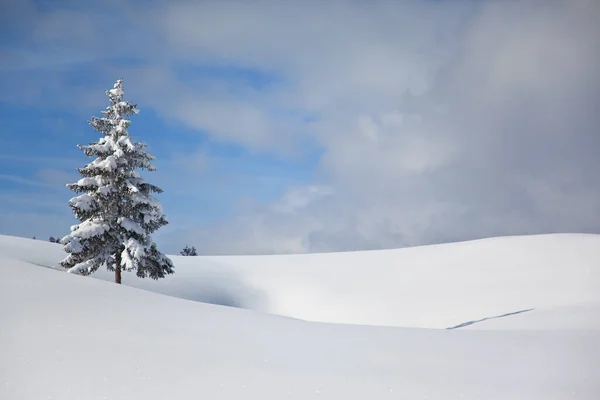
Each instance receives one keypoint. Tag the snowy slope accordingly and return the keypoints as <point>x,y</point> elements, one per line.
<point>582,316</point>
<point>431,286</point>
<point>70,338</point>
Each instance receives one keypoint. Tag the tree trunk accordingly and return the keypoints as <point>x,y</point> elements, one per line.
<point>118,268</point>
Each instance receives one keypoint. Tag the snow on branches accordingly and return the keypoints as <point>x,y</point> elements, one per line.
<point>115,205</point>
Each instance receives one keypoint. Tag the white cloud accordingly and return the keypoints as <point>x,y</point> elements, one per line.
<point>437,120</point>
<point>298,198</point>
<point>476,139</point>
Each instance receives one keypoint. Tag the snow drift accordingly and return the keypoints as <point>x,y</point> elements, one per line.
<point>67,337</point>
<point>436,286</point>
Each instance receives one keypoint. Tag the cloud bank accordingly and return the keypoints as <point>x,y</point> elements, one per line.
<point>430,121</point>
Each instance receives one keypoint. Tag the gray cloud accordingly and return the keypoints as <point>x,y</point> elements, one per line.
<point>501,139</point>
<point>437,121</point>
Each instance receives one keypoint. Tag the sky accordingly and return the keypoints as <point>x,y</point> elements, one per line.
<point>311,126</point>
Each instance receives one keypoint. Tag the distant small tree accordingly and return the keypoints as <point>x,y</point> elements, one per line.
<point>189,251</point>
<point>52,240</point>
<point>115,207</point>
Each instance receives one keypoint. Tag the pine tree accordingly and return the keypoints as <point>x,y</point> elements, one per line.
<point>115,207</point>
<point>188,251</point>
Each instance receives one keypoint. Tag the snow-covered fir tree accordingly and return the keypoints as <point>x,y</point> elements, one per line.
<point>188,251</point>
<point>115,207</point>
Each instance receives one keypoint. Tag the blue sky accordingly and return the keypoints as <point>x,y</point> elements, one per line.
<point>39,156</point>
<point>312,126</point>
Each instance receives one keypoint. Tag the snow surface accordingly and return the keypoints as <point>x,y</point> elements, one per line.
<point>437,286</point>
<point>64,336</point>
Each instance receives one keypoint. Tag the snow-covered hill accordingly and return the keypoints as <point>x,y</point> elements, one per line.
<point>69,337</point>
<point>431,286</point>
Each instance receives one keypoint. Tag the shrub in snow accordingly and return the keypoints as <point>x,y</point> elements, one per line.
<point>115,205</point>
<point>188,251</point>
